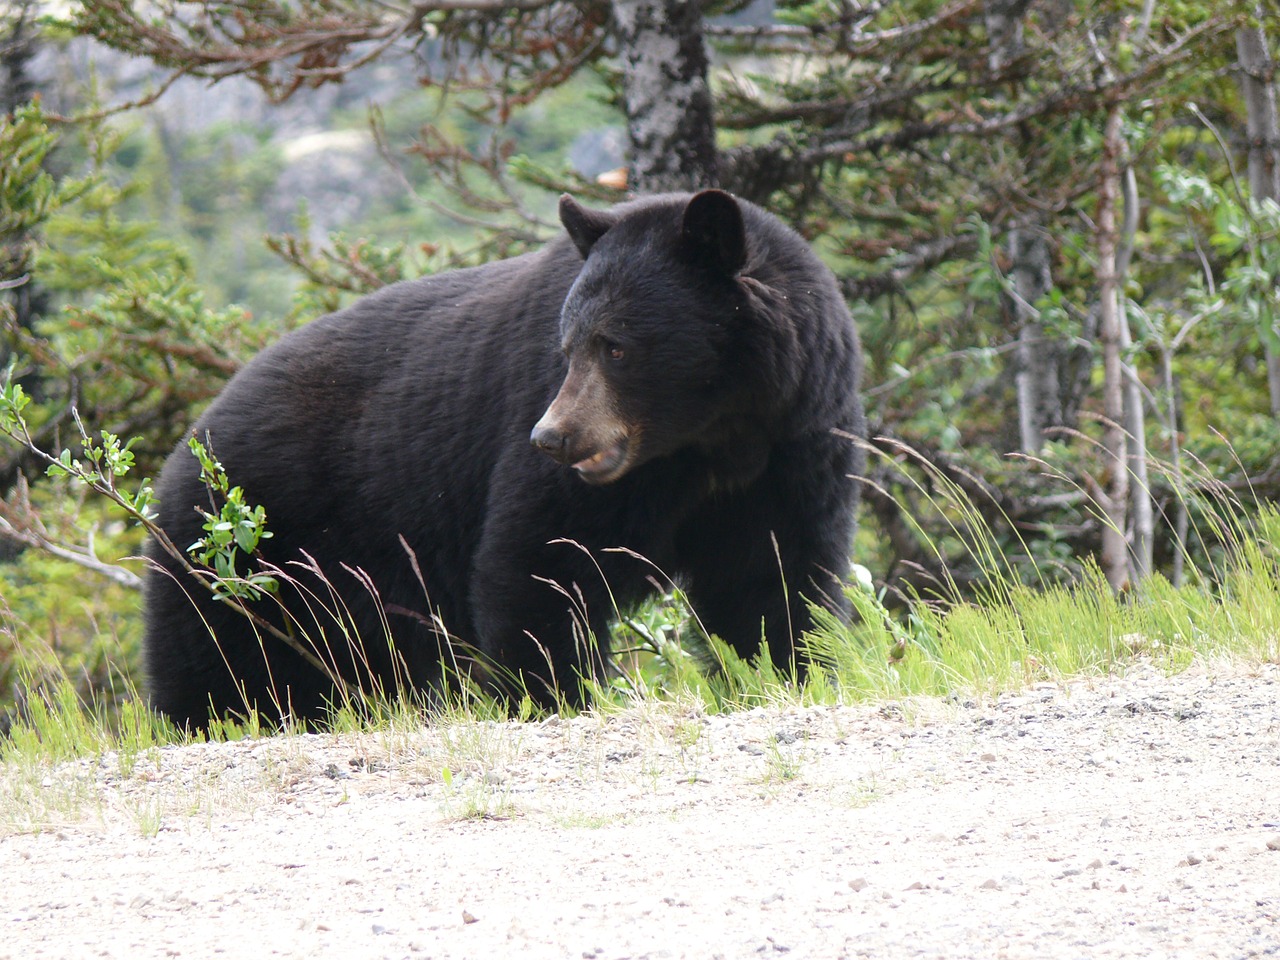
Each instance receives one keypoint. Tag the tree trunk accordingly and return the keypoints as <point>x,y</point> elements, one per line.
<point>670,121</point>
<point>1038,358</point>
<point>1141,503</point>
<point>1113,493</point>
<point>1257,87</point>
<point>1180,493</point>
<point>1135,420</point>
<point>18,46</point>
<point>20,38</point>
<point>17,49</point>
<point>1037,380</point>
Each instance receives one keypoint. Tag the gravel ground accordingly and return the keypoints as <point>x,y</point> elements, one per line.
<point>1134,816</point>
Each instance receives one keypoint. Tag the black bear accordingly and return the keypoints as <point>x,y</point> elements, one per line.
<point>448,462</point>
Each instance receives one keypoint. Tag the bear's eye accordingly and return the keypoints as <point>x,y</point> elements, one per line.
<point>614,351</point>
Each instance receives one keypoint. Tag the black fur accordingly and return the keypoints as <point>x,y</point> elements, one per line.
<point>409,415</point>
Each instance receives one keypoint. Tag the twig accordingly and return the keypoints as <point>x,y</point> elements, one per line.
<point>83,556</point>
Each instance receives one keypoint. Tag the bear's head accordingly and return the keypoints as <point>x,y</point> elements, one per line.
<point>649,328</point>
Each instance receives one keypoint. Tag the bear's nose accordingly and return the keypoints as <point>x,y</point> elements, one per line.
<point>549,440</point>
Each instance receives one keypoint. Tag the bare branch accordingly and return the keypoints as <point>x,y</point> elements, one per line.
<point>20,523</point>
<point>143,101</point>
<point>285,46</point>
<point>81,556</point>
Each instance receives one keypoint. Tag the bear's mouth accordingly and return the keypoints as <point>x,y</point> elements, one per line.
<point>607,464</point>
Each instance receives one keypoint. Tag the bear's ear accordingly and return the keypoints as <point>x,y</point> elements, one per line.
<point>713,231</point>
<point>584,226</point>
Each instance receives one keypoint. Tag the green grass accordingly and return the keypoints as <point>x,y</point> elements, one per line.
<point>1016,635</point>
<point>1012,634</point>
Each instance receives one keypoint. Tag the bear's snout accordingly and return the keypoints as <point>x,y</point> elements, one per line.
<point>580,430</point>
<point>581,421</point>
<point>550,440</point>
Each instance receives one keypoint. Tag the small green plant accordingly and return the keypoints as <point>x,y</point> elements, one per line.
<point>865,792</point>
<point>138,732</point>
<point>475,797</point>
<point>53,726</point>
<point>236,528</point>
<point>691,748</point>
<point>783,761</point>
<point>148,817</point>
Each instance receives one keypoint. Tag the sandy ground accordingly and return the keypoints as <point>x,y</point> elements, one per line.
<point>1120,817</point>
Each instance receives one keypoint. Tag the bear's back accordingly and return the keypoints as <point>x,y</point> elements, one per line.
<point>358,413</point>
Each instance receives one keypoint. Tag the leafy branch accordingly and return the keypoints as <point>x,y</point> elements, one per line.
<point>237,526</point>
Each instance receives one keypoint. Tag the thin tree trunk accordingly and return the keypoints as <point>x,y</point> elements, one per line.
<point>19,44</point>
<point>1135,429</point>
<point>1257,87</point>
<point>1113,493</point>
<point>1135,421</point>
<point>1126,431</point>
<point>670,121</point>
<point>1175,458</point>
<point>19,37</point>
<point>1140,500</point>
<point>1036,380</point>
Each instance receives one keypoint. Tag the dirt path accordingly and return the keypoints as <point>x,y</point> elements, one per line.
<point>1126,817</point>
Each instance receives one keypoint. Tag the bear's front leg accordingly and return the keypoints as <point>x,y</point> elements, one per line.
<point>540,608</point>
<point>540,638</point>
<point>755,558</point>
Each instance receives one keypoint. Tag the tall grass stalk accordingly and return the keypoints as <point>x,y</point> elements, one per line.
<point>1008,634</point>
